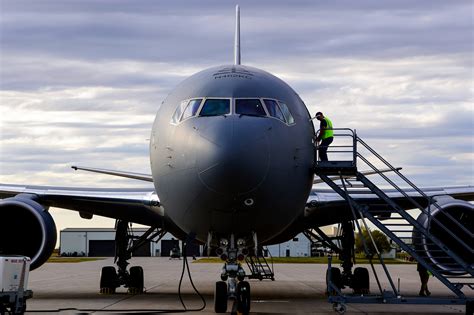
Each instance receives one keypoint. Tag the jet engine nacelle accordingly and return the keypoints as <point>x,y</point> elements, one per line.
<point>27,229</point>
<point>460,210</point>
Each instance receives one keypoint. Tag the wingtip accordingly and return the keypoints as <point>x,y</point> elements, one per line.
<point>74,167</point>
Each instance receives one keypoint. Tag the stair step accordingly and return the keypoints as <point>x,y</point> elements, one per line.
<point>335,168</point>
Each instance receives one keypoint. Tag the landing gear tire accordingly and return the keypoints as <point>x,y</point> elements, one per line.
<point>220,297</point>
<point>360,281</point>
<point>108,280</point>
<point>243,297</point>
<point>339,308</point>
<point>136,280</point>
<point>336,280</point>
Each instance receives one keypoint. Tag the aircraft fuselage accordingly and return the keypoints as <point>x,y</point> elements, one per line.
<point>216,169</point>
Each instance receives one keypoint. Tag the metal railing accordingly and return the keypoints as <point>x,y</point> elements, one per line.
<point>430,201</point>
<point>416,200</point>
<point>347,150</point>
<point>351,154</point>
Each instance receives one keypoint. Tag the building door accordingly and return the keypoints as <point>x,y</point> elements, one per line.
<point>101,248</point>
<point>142,251</point>
<point>167,246</point>
<point>287,253</point>
<point>192,249</point>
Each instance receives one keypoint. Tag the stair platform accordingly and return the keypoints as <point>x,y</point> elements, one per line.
<point>335,168</point>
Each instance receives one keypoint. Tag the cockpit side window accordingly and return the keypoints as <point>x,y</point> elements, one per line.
<point>274,110</point>
<point>252,107</point>
<point>215,107</point>
<point>286,112</point>
<point>179,111</point>
<point>191,109</point>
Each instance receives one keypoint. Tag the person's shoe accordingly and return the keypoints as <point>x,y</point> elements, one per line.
<point>421,293</point>
<point>428,293</point>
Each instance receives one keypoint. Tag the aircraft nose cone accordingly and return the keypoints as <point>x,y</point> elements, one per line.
<point>233,155</point>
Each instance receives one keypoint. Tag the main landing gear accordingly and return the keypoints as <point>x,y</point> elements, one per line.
<point>125,245</point>
<point>236,289</point>
<point>357,280</point>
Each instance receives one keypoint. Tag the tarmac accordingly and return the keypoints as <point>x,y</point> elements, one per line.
<point>71,288</point>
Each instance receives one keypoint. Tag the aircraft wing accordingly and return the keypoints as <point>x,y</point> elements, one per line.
<point>324,206</point>
<point>131,175</point>
<point>133,205</point>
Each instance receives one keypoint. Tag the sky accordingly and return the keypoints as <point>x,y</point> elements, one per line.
<point>81,81</point>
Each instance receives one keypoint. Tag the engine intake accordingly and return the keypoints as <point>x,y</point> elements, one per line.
<point>27,229</point>
<point>462,212</point>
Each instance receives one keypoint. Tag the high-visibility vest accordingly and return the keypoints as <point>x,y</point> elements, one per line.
<point>327,133</point>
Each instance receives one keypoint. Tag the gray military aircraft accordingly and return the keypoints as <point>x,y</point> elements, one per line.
<point>232,157</point>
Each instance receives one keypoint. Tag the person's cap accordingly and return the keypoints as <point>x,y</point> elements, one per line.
<point>318,114</point>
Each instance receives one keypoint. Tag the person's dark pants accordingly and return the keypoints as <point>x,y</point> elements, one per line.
<point>424,277</point>
<point>323,148</point>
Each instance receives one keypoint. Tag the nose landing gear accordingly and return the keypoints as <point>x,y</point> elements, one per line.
<point>236,289</point>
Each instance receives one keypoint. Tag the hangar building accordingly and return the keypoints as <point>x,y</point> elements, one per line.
<point>299,246</point>
<point>100,242</point>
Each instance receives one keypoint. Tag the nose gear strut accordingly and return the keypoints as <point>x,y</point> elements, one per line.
<point>236,289</point>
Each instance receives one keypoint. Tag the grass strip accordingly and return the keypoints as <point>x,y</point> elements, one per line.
<point>309,260</point>
<point>54,259</point>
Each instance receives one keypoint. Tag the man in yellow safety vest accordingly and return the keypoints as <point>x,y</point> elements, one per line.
<point>326,135</point>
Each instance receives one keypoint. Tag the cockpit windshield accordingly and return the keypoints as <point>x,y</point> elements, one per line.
<point>286,112</point>
<point>259,107</point>
<point>252,107</point>
<point>178,112</point>
<point>274,110</point>
<point>192,108</point>
<point>215,107</point>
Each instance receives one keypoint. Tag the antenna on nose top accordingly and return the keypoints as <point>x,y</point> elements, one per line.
<point>237,36</point>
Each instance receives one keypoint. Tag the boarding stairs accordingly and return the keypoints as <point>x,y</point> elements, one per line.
<point>259,267</point>
<point>389,214</point>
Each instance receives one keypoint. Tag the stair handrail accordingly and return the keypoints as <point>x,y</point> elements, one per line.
<point>416,224</point>
<point>414,202</point>
<point>353,148</point>
<point>430,200</point>
<point>271,260</point>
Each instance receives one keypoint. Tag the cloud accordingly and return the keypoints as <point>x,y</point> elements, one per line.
<point>81,81</point>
